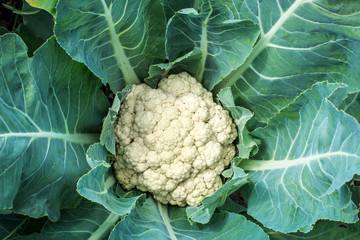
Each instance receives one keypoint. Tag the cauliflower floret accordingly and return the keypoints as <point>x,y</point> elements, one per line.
<point>173,141</point>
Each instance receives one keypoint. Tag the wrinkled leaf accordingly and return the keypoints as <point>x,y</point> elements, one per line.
<point>96,155</point>
<point>107,137</point>
<point>246,145</point>
<point>118,40</point>
<point>156,221</point>
<point>302,42</point>
<point>308,152</point>
<point>188,63</point>
<point>51,109</point>
<point>99,185</point>
<point>204,212</point>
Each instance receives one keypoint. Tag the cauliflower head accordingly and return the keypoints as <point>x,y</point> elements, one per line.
<point>173,141</point>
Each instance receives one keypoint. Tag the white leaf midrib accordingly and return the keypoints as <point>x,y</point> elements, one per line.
<point>260,46</point>
<point>163,210</point>
<point>78,138</point>
<point>109,222</point>
<point>263,165</point>
<point>122,60</point>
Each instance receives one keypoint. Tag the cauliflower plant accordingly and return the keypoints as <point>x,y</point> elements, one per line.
<point>173,141</point>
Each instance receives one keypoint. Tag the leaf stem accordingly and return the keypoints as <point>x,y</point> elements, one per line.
<point>163,209</point>
<point>109,222</point>
<point>204,47</point>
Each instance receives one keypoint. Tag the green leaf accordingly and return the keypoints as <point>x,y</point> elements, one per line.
<point>246,145</point>
<point>107,137</point>
<point>36,28</point>
<point>156,221</point>
<point>188,63</point>
<point>172,6</point>
<point>23,12</point>
<point>224,41</point>
<point>356,178</point>
<point>309,151</point>
<point>100,185</point>
<point>302,42</point>
<point>51,109</point>
<point>87,221</point>
<point>204,212</point>
<point>355,193</point>
<point>14,226</point>
<point>3,30</point>
<point>323,230</point>
<point>232,206</point>
<point>96,155</point>
<point>48,5</point>
<point>351,105</point>
<point>118,40</point>
<point>10,223</point>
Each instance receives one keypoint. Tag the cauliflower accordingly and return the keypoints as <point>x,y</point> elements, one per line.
<point>173,141</point>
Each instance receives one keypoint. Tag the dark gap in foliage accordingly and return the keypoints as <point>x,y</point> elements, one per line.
<point>357,183</point>
<point>8,19</point>
<point>31,226</point>
<point>236,197</point>
<point>342,226</point>
<point>108,93</point>
<point>236,152</point>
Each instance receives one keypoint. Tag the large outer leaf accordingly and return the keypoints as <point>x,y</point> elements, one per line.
<point>302,42</point>
<point>87,221</point>
<point>50,110</point>
<point>309,151</point>
<point>155,221</point>
<point>117,39</point>
<point>224,41</point>
<point>323,230</point>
